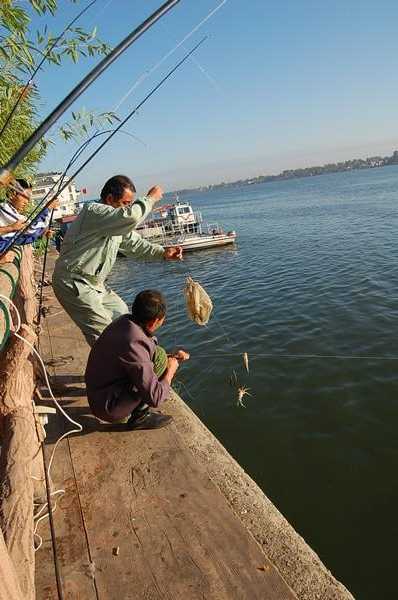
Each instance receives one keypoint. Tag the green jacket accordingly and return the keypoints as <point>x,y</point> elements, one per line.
<point>92,242</point>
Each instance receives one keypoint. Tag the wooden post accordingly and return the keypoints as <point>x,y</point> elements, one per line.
<point>9,588</point>
<point>25,297</point>
<point>20,444</point>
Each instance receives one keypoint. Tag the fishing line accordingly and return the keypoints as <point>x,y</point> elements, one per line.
<point>102,10</point>
<point>146,74</point>
<point>211,79</point>
<point>99,133</point>
<point>110,136</point>
<point>304,356</point>
<point>37,69</point>
<point>85,144</point>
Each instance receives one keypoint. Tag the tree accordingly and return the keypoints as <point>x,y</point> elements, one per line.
<point>22,48</point>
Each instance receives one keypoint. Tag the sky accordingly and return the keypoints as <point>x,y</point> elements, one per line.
<point>276,85</point>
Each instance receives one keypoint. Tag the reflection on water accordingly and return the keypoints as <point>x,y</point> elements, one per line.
<point>313,273</point>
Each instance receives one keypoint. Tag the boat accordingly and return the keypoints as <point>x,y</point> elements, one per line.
<point>172,225</point>
<point>178,225</point>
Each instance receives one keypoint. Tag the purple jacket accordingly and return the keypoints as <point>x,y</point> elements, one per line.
<point>119,374</point>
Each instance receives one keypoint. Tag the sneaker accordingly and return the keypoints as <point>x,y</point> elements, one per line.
<point>149,420</point>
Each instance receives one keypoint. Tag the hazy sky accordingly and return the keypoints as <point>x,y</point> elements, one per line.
<point>277,85</point>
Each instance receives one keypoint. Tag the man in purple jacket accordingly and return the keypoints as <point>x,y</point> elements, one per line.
<point>127,372</point>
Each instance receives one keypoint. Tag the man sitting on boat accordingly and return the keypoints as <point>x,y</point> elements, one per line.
<point>127,372</point>
<point>89,251</point>
<point>13,220</point>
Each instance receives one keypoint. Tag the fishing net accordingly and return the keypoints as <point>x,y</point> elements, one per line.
<point>199,305</point>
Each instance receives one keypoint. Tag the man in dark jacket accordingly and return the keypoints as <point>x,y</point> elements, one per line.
<point>127,372</point>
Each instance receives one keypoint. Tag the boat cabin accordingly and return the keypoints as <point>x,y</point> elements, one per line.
<point>176,218</point>
<point>182,214</point>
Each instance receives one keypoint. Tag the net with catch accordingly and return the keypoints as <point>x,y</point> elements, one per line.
<point>199,304</point>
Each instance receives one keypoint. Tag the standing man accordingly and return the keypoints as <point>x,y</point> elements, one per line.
<point>89,251</point>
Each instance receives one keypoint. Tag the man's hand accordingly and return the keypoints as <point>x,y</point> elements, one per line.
<point>54,204</point>
<point>155,193</point>
<point>49,233</point>
<point>181,355</point>
<point>172,366</point>
<point>173,253</point>
<point>17,226</point>
<point>173,362</point>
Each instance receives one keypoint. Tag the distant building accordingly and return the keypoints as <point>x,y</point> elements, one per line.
<point>68,199</point>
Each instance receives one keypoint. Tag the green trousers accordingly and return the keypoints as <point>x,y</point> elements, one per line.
<point>91,309</point>
<point>159,361</point>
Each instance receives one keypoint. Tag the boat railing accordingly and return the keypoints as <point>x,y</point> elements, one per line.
<point>214,229</point>
<point>198,216</point>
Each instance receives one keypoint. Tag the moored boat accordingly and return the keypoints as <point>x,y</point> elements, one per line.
<point>173,225</point>
<point>178,225</point>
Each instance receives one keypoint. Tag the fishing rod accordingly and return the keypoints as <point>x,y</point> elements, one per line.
<point>6,171</point>
<point>53,194</point>
<point>37,69</point>
<point>40,208</point>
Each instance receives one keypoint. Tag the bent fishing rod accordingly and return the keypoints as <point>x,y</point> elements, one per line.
<point>40,208</point>
<point>6,175</point>
<point>37,69</point>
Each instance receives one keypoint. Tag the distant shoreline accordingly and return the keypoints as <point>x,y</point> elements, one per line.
<point>355,164</point>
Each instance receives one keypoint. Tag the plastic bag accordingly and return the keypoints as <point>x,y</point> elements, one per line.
<point>199,304</point>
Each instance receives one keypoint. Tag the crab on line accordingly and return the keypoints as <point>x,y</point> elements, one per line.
<point>242,391</point>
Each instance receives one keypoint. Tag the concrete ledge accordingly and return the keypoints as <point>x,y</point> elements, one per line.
<point>300,566</point>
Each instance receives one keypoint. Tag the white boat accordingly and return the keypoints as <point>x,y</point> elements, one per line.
<point>174,225</point>
<point>178,225</point>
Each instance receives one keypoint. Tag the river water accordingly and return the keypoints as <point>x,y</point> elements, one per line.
<point>314,272</point>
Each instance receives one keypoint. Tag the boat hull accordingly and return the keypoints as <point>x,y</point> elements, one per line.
<point>202,242</point>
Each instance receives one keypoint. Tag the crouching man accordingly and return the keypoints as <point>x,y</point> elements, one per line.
<point>127,372</point>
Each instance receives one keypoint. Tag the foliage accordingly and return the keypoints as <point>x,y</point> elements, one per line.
<point>22,48</point>
<point>84,121</point>
<point>40,245</point>
<point>23,124</point>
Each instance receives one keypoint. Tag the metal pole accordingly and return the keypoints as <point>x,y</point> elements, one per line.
<point>81,87</point>
<point>50,516</point>
<point>43,273</point>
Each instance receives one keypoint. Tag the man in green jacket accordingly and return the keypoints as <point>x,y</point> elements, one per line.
<point>89,252</point>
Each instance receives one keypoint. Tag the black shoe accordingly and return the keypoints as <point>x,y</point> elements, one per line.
<point>149,420</point>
